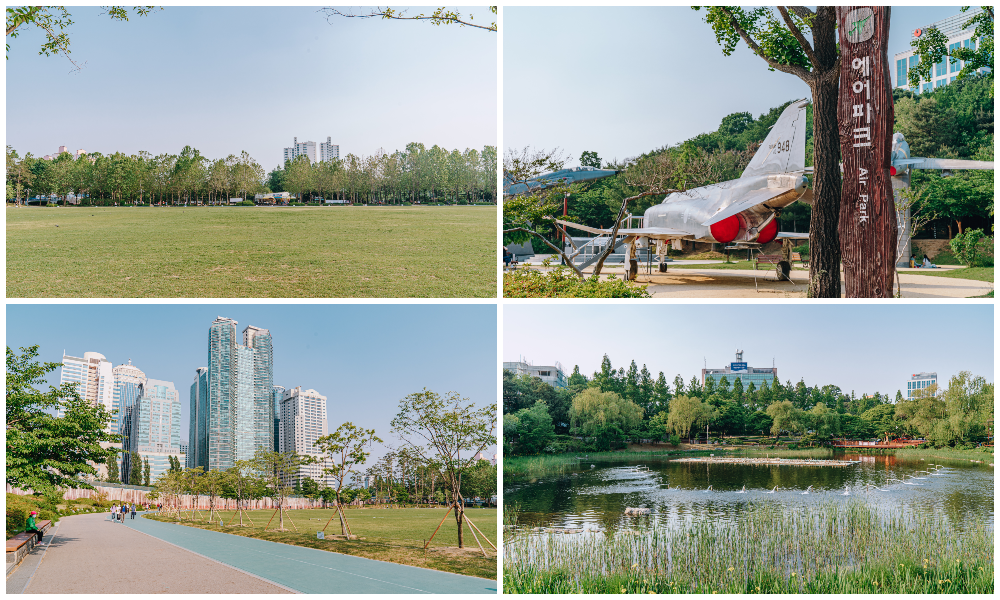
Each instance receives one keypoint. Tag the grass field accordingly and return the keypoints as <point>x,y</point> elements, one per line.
<point>975,273</point>
<point>251,252</point>
<point>393,535</point>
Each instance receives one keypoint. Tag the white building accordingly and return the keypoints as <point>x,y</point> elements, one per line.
<point>328,151</point>
<point>155,426</point>
<point>919,381</point>
<point>94,378</point>
<point>302,422</point>
<point>943,72</point>
<point>297,149</point>
<point>552,375</point>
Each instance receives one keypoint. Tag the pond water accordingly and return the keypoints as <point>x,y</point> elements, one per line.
<point>593,496</point>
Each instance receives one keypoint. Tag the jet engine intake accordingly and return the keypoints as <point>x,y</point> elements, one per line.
<point>729,228</point>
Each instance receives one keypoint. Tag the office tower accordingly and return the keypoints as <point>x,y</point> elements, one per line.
<point>198,421</point>
<point>920,381</point>
<point>277,392</point>
<point>128,381</point>
<point>155,426</point>
<point>303,421</point>
<point>240,412</point>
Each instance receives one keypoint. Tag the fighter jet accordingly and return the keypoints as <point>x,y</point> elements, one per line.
<point>902,161</point>
<point>562,176</point>
<point>738,211</point>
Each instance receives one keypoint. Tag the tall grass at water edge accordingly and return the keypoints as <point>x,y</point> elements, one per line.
<point>830,548</point>
<point>557,464</point>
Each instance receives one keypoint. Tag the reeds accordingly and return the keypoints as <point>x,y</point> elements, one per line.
<point>829,548</point>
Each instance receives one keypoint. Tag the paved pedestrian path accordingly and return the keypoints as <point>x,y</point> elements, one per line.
<point>313,571</point>
<point>89,554</point>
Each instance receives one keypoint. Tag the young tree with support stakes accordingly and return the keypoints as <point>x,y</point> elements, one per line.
<point>778,36</point>
<point>212,485</point>
<point>442,429</point>
<point>240,480</point>
<point>279,470</point>
<point>345,449</point>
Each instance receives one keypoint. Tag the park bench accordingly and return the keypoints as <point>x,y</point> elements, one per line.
<point>773,259</point>
<point>22,543</point>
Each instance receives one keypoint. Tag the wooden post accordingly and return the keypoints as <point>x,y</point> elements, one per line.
<point>473,525</point>
<point>865,117</point>
<point>448,512</point>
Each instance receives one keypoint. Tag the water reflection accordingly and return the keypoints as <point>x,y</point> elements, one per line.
<point>681,493</point>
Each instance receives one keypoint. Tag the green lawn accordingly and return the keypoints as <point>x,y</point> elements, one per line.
<point>975,273</point>
<point>394,535</point>
<point>251,252</point>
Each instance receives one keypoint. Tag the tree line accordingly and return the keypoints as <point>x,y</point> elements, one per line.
<point>615,407</point>
<point>414,175</point>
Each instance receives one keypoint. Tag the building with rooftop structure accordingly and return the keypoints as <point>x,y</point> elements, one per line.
<point>758,376</point>
<point>553,375</point>
<point>920,381</point>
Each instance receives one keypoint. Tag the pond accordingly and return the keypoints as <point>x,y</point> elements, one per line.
<point>593,495</point>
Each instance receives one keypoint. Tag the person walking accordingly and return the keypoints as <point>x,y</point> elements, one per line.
<point>32,527</point>
<point>133,510</point>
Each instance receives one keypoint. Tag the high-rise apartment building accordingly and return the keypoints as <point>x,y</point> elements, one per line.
<point>240,407</point>
<point>155,426</point>
<point>277,392</point>
<point>920,381</point>
<point>328,150</point>
<point>303,421</point>
<point>93,376</point>
<point>198,419</point>
<point>297,149</point>
<point>128,382</point>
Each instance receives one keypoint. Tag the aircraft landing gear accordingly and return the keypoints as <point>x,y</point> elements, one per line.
<point>633,269</point>
<point>783,269</point>
<point>663,267</point>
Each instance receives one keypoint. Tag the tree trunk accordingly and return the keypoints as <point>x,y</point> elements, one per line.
<point>459,519</point>
<point>824,246</point>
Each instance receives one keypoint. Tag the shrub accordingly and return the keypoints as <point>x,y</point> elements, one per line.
<point>563,283</point>
<point>19,506</point>
<point>407,204</point>
<point>675,440</point>
<point>973,248</point>
<point>803,249</point>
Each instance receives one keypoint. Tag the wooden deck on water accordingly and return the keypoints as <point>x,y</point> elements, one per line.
<point>883,445</point>
<point>757,460</point>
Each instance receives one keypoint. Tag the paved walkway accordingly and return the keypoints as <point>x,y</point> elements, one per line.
<point>88,554</point>
<point>164,557</point>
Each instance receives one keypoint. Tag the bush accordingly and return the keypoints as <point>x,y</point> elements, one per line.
<point>973,248</point>
<point>803,249</point>
<point>407,204</point>
<point>675,440</point>
<point>19,506</point>
<point>563,283</point>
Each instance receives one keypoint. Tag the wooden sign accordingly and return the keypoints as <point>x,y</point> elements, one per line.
<point>865,115</point>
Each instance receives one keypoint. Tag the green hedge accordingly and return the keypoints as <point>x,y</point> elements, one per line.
<point>19,506</point>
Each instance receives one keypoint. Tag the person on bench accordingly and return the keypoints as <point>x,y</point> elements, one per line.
<point>32,527</point>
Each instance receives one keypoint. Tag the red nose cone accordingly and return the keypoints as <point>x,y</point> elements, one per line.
<point>768,232</point>
<point>726,230</point>
<point>892,171</point>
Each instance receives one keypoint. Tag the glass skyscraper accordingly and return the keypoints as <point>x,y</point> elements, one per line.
<point>128,382</point>
<point>240,407</point>
<point>155,425</point>
<point>198,428</point>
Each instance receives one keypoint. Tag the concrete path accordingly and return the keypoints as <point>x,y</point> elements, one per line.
<point>88,554</point>
<point>168,558</point>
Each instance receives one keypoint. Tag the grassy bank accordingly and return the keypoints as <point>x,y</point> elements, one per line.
<point>984,455</point>
<point>393,535</point>
<point>846,548</point>
<point>252,252</point>
<point>975,273</point>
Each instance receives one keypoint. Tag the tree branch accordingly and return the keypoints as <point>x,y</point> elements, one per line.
<point>438,17</point>
<point>798,71</point>
<point>578,272</point>
<point>806,46</point>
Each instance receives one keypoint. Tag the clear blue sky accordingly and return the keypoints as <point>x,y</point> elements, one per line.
<point>251,78</point>
<point>862,347</point>
<point>623,81</point>
<point>363,358</point>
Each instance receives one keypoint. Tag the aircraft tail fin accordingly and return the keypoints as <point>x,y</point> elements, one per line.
<point>784,148</point>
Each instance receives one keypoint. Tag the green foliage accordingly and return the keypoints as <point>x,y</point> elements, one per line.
<point>19,507</point>
<point>45,452</point>
<point>932,48</point>
<point>113,470</point>
<point>603,416</point>
<point>590,159</point>
<point>560,282</point>
<point>970,248</point>
<point>532,428</point>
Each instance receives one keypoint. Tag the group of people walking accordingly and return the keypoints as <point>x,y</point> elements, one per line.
<point>119,511</point>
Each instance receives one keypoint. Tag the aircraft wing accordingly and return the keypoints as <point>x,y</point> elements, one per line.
<point>946,163</point>
<point>656,233</point>
<point>788,235</point>
<point>778,196</point>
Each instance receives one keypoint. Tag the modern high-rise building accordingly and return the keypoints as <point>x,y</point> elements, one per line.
<point>240,406</point>
<point>277,392</point>
<point>198,419</point>
<point>128,382</point>
<point>919,381</point>
<point>328,150</point>
<point>945,71</point>
<point>553,375</point>
<point>303,421</point>
<point>297,149</point>
<point>155,426</point>
<point>758,376</point>
<point>93,376</point>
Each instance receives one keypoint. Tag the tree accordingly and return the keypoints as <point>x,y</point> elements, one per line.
<point>533,428</point>
<point>278,471</point>
<point>135,469</point>
<point>113,470</point>
<point>45,452</point>
<point>53,20</point>
<point>882,420</point>
<point>145,472</point>
<point>785,417</point>
<point>932,48</point>
<point>824,421</point>
<point>345,449</point>
<point>969,407</point>
<point>241,479</point>
<point>685,413</point>
<point>212,485</point>
<point>443,429</point>
<point>780,40</point>
<point>440,16</point>
<point>604,416</point>
<point>590,159</point>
